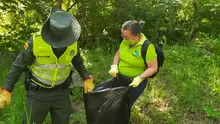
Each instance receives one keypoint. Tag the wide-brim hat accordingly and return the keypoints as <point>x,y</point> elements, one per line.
<point>61,29</point>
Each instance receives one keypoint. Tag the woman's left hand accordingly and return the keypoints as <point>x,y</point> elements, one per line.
<point>136,81</point>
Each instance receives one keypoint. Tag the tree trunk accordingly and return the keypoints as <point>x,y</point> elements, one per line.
<point>59,4</point>
<point>194,23</point>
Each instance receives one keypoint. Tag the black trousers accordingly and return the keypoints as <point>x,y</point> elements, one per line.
<point>41,102</point>
<point>134,93</point>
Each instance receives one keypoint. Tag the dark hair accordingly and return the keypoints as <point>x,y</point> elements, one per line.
<point>134,26</point>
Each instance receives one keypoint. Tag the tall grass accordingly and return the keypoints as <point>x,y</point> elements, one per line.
<point>11,114</point>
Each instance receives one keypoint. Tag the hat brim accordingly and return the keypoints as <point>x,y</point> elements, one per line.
<point>71,37</point>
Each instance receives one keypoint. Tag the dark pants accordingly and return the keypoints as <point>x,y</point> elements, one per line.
<point>40,103</point>
<point>135,92</point>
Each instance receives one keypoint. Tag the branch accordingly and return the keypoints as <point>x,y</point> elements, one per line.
<point>68,9</point>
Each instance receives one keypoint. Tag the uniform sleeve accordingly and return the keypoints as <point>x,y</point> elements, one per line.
<point>151,53</point>
<point>24,59</point>
<point>78,63</point>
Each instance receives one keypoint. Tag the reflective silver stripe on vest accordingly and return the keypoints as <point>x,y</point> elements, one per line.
<point>51,66</point>
<point>48,82</point>
<point>44,73</point>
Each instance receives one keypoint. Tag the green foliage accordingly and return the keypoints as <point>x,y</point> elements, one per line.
<point>177,21</point>
<point>5,66</point>
<point>76,93</point>
<point>20,19</point>
<point>13,113</point>
<point>210,44</point>
<point>98,62</point>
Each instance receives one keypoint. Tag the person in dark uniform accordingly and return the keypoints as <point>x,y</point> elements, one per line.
<point>46,59</point>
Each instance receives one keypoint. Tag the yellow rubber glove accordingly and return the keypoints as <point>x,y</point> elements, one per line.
<point>88,84</point>
<point>114,70</point>
<point>136,81</point>
<point>5,98</point>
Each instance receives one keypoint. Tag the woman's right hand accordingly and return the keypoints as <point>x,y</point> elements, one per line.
<point>114,70</point>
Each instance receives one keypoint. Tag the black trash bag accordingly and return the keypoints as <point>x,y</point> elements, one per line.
<point>108,103</point>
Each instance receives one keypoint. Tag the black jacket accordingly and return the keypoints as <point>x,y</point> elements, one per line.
<point>26,58</point>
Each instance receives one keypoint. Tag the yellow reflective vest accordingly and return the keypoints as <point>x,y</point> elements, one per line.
<point>47,68</point>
